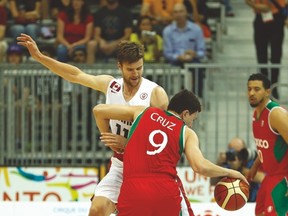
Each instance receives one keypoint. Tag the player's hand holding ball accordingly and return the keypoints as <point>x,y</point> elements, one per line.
<point>231,194</point>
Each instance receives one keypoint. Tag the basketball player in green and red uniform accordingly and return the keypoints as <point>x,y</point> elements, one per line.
<point>156,141</point>
<point>270,129</point>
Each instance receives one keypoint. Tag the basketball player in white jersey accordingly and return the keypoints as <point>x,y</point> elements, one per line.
<point>131,89</point>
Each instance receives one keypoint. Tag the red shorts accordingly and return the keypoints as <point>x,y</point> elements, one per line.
<point>149,196</point>
<point>271,199</point>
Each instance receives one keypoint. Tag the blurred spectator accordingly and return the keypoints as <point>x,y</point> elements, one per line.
<point>113,23</point>
<point>26,15</point>
<point>20,89</point>
<point>50,13</point>
<point>79,55</point>
<point>239,157</point>
<point>57,6</point>
<point>269,32</point>
<point>48,51</point>
<point>152,42</point>
<point>45,9</point>
<point>228,8</point>
<point>15,54</point>
<point>3,22</point>
<point>197,10</point>
<point>130,3</point>
<point>160,11</point>
<point>74,29</point>
<point>184,43</point>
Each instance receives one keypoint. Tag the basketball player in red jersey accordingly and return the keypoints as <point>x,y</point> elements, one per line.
<point>270,129</point>
<point>155,143</point>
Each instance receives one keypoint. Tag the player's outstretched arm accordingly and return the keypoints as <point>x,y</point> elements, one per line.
<point>200,164</point>
<point>66,71</point>
<point>104,112</point>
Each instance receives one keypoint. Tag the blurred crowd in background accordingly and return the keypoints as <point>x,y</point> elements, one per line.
<point>86,31</point>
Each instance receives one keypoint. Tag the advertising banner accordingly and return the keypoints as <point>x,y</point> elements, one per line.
<point>78,184</point>
<point>47,183</point>
<point>197,187</point>
<point>82,209</point>
<point>49,191</point>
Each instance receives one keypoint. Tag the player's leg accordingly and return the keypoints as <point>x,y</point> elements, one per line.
<point>271,196</point>
<point>185,204</point>
<point>101,206</point>
<point>149,196</point>
<point>261,200</point>
<point>279,197</point>
<point>107,191</point>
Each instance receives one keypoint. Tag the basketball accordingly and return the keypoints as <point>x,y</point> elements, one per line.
<point>231,194</point>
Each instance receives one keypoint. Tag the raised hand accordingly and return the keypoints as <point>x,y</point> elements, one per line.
<point>27,41</point>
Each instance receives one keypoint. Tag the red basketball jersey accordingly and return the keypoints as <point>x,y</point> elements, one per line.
<point>272,149</point>
<point>156,142</point>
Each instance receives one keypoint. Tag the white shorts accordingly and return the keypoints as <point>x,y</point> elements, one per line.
<point>110,185</point>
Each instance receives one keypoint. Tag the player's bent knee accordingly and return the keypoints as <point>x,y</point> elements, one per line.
<point>101,206</point>
<point>95,211</point>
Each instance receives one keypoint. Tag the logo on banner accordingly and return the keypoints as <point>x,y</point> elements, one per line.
<point>208,213</point>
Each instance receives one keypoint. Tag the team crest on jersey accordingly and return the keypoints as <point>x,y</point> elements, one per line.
<point>115,87</point>
<point>143,96</point>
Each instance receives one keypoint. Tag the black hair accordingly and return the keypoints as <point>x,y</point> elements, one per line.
<point>81,49</point>
<point>139,21</point>
<point>85,12</point>
<point>184,100</point>
<point>130,52</point>
<point>260,77</point>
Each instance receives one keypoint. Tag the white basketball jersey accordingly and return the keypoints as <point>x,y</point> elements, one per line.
<point>114,95</point>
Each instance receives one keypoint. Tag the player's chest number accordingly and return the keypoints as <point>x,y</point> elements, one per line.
<point>119,131</point>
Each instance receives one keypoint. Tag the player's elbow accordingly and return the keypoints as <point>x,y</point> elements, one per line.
<point>97,110</point>
<point>199,168</point>
<point>74,76</point>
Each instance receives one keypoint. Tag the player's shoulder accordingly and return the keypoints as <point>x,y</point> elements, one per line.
<point>190,132</point>
<point>271,105</point>
<point>115,85</point>
<point>159,98</point>
<point>147,82</point>
<point>278,111</point>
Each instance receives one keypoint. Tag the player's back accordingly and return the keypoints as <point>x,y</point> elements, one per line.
<point>155,144</point>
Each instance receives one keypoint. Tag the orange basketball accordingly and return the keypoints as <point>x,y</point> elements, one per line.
<point>231,194</point>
